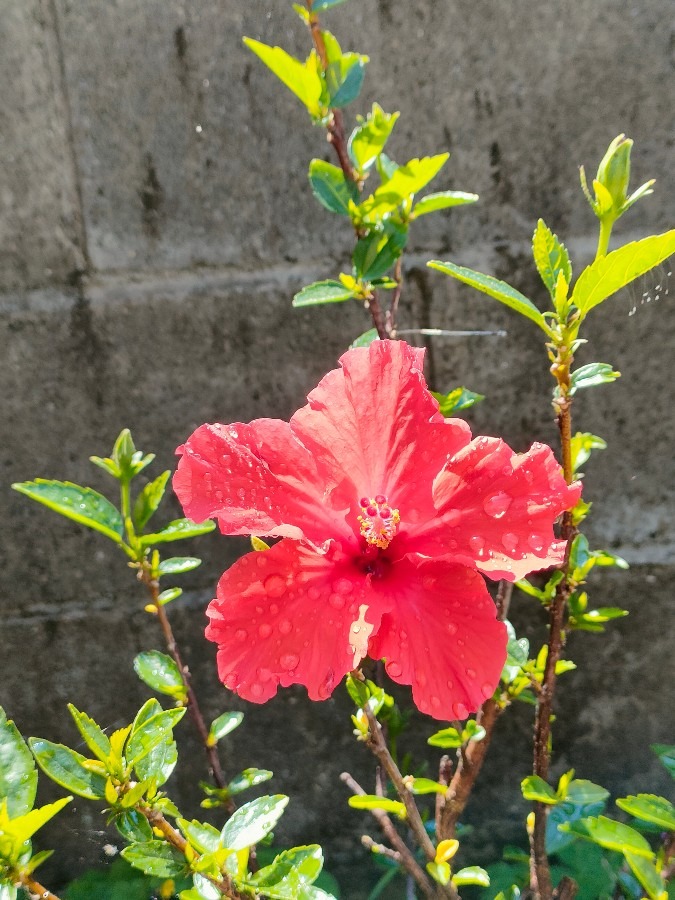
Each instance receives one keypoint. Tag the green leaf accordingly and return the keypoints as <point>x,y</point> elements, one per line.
<point>22,828</point>
<point>94,736</point>
<point>248,779</point>
<point>344,79</point>
<point>610,273</point>
<point>300,78</point>
<point>168,595</point>
<point>108,465</point>
<point>592,375</point>
<point>155,858</point>
<point>582,792</point>
<point>223,725</point>
<point>498,290</point>
<point>439,871</point>
<point>441,200</point>
<point>18,775</point>
<point>535,788</point>
<point>82,504</point>
<point>322,5</point>
<point>161,760</point>
<point>365,339</point>
<point>123,453</point>
<point>249,824</point>
<point>302,864</point>
<point>611,835</point>
<point>456,401</point>
<point>178,530</point>
<point>371,801</point>
<point>446,738</point>
<point>473,731</point>
<point>650,808</point>
<point>582,444</point>
<point>149,499</point>
<point>550,257</point>
<point>666,753</point>
<point>647,875</point>
<point>68,768</point>
<point>404,182</point>
<point>331,188</point>
<point>178,565</point>
<point>427,786</point>
<point>376,253</point>
<point>322,292</point>
<point>203,837</point>
<point>7,891</point>
<point>161,673</point>
<point>149,731</point>
<point>133,826</point>
<point>471,875</point>
<point>369,137</point>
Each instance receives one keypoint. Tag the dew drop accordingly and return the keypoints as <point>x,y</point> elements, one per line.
<point>487,690</point>
<point>257,689</point>
<point>264,674</point>
<point>274,609</point>
<point>275,585</point>
<point>327,685</point>
<point>285,626</point>
<point>497,505</point>
<point>460,711</point>
<point>336,601</point>
<point>395,670</point>
<point>265,630</point>
<point>536,541</point>
<point>261,560</point>
<point>450,684</point>
<point>342,586</point>
<point>477,543</point>
<point>452,628</point>
<point>510,541</point>
<point>313,593</point>
<point>435,702</point>
<point>240,634</point>
<point>452,518</point>
<point>289,661</point>
<point>421,679</point>
<point>470,673</point>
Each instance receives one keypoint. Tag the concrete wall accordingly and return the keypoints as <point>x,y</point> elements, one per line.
<point>146,270</point>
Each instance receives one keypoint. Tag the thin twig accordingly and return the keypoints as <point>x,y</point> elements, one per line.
<point>35,889</point>
<point>193,704</point>
<point>408,861</point>
<point>380,849</point>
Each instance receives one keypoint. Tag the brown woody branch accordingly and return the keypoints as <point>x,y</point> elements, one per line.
<point>35,889</point>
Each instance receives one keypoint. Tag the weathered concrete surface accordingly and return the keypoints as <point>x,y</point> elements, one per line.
<point>196,243</point>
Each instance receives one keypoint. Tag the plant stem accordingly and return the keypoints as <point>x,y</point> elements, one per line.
<point>193,705</point>
<point>35,889</point>
<point>606,226</point>
<point>377,744</point>
<point>407,859</point>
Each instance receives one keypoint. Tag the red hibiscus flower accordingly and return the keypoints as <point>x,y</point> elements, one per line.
<point>388,515</point>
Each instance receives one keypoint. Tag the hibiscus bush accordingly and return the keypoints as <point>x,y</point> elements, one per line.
<point>386,541</point>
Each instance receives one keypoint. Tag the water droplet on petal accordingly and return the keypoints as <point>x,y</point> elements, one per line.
<point>394,669</point>
<point>264,674</point>
<point>275,585</point>
<point>240,634</point>
<point>274,609</point>
<point>450,684</point>
<point>452,628</point>
<point>257,689</point>
<point>342,586</point>
<point>497,505</point>
<point>289,661</point>
<point>327,685</point>
<point>510,541</point>
<point>452,518</point>
<point>477,543</point>
<point>536,541</point>
<point>285,626</point>
<point>487,690</point>
<point>470,673</point>
<point>313,593</point>
<point>460,711</point>
<point>261,560</point>
<point>435,702</point>
<point>336,601</point>
<point>265,630</point>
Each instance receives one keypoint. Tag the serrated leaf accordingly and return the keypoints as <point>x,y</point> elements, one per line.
<point>592,375</point>
<point>404,182</point>
<point>148,733</point>
<point>611,835</point>
<point>498,290</point>
<point>651,808</point>
<point>108,465</point>
<point>535,788</point>
<point>156,858</point>
<point>249,824</point>
<point>18,775</point>
<point>442,200</point>
<point>82,504</point>
<point>161,760</point>
<point>94,737</point>
<point>610,273</point>
<point>203,837</point>
<point>300,78</point>
<point>331,188</point>
<point>471,875</point>
<point>322,292</point>
<point>371,801</point>
<point>178,530</point>
<point>178,565</point>
<point>22,828</point>
<point>148,500</point>
<point>550,256</point>
<point>369,138</point>
<point>223,725</point>
<point>648,876</point>
<point>161,673</point>
<point>68,768</point>
<point>456,401</point>
<point>365,339</point>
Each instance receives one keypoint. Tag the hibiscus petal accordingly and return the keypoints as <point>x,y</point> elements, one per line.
<point>496,510</point>
<point>256,479</point>
<point>374,424</point>
<point>442,637</point>
<point>288,615</point>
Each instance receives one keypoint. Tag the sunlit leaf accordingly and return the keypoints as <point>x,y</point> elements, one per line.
<point>161,673</point>
<point>68,768</point>
<point>611,835</point>
<point>300,78</point>
<point>550,256</point>
<point>149,499</point>
<point>650,808</point>
<point>647,875</point>
<point>82,504</point>
<point>250,823</point>
<point>535,788</point>
<point>18,775</point>
<point>94,737</point>
<point>442,200</point>
<point>156,858</point>
<point>322,292</point>
<point>178,530</point>
<point>331,188</point>
<point>371,801</point>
